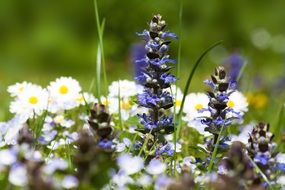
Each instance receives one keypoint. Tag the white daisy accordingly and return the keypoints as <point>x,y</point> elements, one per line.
<point>31,102</point>
<point>127,107</point>
<point>127,89</point>
<point>237,101</point>
<point>63,94</point>
<point>85,98</point>
<point>17,89</point>
<point>194,104</point>
<point>178,96</point>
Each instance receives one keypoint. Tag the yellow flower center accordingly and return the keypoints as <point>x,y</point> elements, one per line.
<point>230,104</point>
<point>33,100</point>
<point>198,106</point>
<point>178,103</point>
<point>126,105</point>
<point>63,89</point>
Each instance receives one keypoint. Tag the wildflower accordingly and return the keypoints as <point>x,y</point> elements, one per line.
<point>137,53</point>
<point>235,170</point>
<point>156,79</point>
<point>129,164</point>
<point>89,157</point>
<point>121,179</point>
<point>261,149</point>
<point>18,175</point>
<point>125,106</point>
<point>124,89</point>
<point>69,182</point>
<point>14,126</point>
<point>155,167</point>
<point>196,107</point>
<point>162,182</point>
<point>7,157</point>
<point>178,96</point>
<point>85,98</point>
<point>224,105</point>
<point>257,100</point>
<point>100,122</point>
<point>144,180</point>
<point>32,102</point>
<point>165,149</point>
<point>235,62</point>
<point>55,164</point>
<point>237,102</point>
<point>18,89</point>
<point>63,93</point>
<point>120,147</point>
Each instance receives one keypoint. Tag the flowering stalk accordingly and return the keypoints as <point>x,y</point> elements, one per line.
<point>261,149</point>
<point>95,149</point>
<point>236,171</point>
<point>100,122</point>
<point>220,109</point>
<point>156,78</point>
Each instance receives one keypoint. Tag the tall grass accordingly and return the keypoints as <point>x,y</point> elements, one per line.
<point>100,62</point>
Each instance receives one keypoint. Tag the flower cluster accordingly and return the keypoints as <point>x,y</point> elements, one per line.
<point>121,99</point>
<point>100,122</point>
<point>261,149</point>
<point>223,109</point>
<point>156,78</point>
<point>63,138</point>
<point>236,170</point>
<point>27,167</point>
<point>93,162</point>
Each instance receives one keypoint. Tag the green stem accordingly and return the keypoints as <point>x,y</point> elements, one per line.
<point>261,173</point>
<point>210,167</point>
<point>177,74</point>
<point>145,143</point>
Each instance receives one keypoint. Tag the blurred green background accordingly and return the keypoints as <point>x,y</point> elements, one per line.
<point>44,39</point>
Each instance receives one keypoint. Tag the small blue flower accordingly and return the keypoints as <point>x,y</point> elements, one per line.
<point>210,83</point>
<point>167,78</point>
<point>167,149</point>
<point>105,143</point>
<point>165,59</point>
<point>261,158</point>
<point>222,97</point>
<point>169,35</point>
<point>219,121</point>
<point>147,99</point>
<point>144,34</point>
<point>236,62</point>
<point>280,166</point>
<point>142,78</point>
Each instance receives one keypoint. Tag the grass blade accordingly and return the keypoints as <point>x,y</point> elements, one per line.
<point>100,31</point>
<point>98,73</point>
<point>199,60</point>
